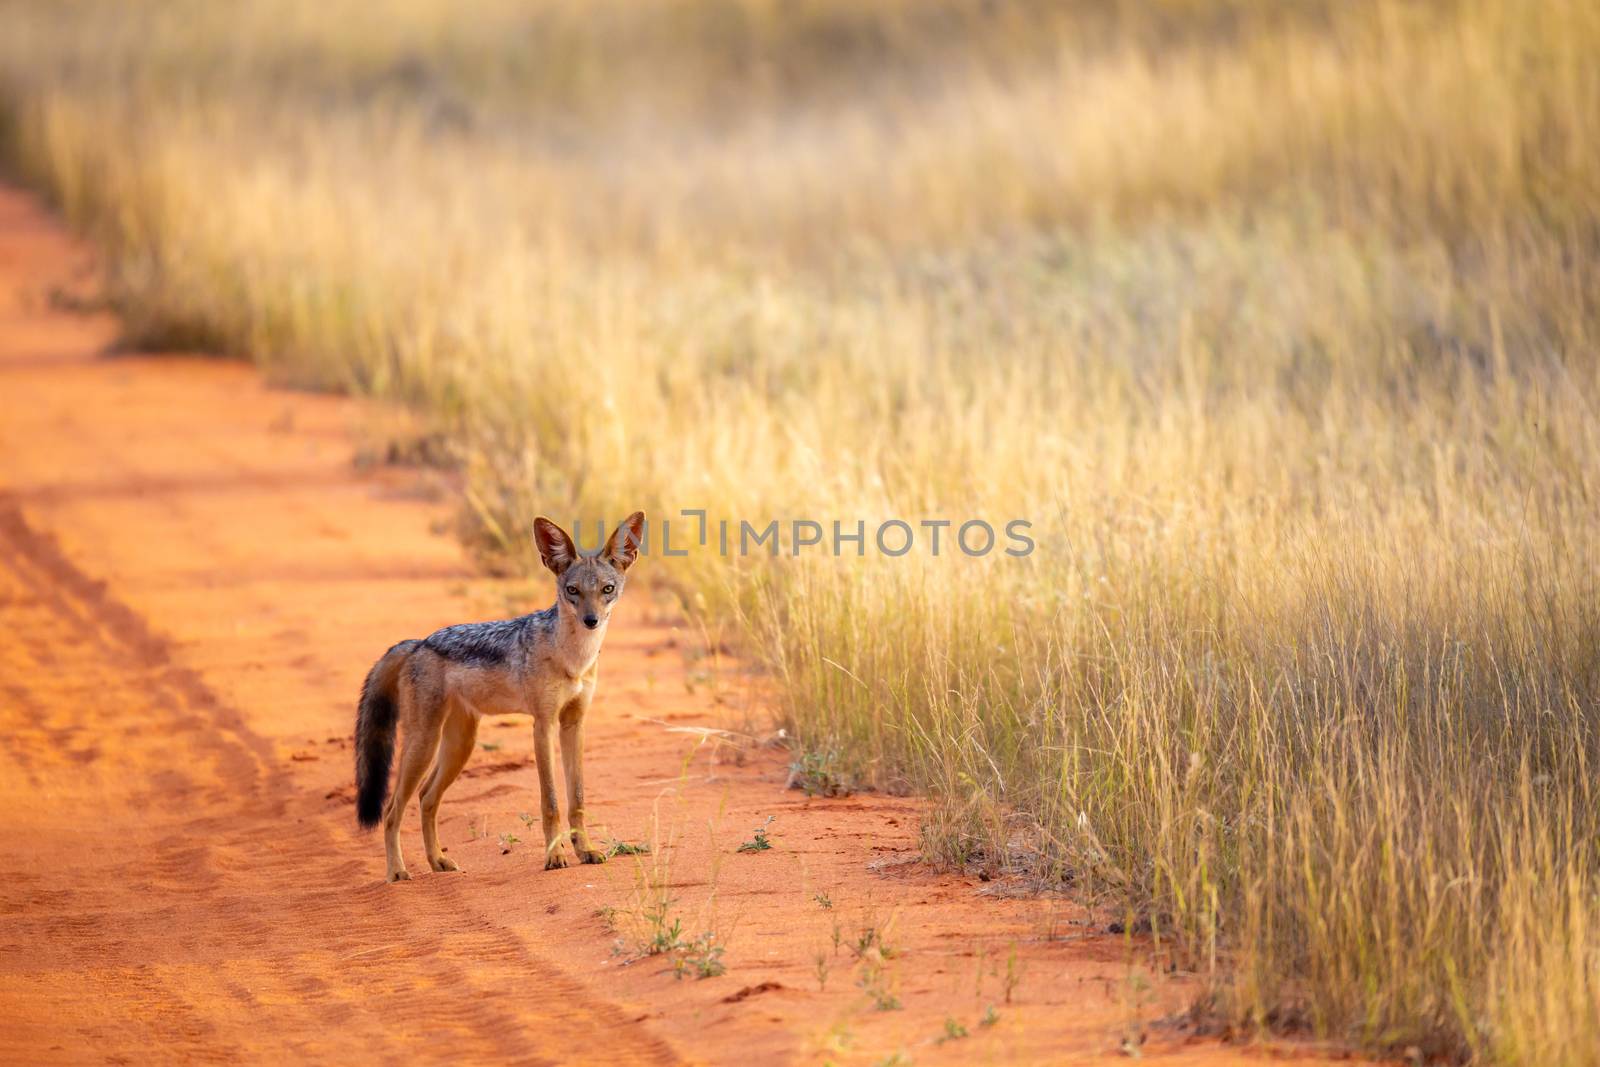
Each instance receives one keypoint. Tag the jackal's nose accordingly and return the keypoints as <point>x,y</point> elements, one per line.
<point>591,621</point>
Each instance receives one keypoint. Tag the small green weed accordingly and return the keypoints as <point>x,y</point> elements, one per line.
<point>701,957</point>
<point>663,938</point>
<point>821,968</point>
<point>759,843</point>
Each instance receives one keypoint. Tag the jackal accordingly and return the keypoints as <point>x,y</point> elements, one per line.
<point>436,689</point>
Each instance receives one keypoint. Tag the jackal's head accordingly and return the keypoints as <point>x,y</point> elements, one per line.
<point>587,586</point>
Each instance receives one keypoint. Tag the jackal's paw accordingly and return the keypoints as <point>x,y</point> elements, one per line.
<point>589,855</point>
<point>444,863</point>
<point>402,875</point>
<point>555,859</point>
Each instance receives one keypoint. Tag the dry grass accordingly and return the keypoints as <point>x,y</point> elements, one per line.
<point>1279,321</point>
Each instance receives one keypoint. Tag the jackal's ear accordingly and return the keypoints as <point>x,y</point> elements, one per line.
<point>555,547</point>
<point>622,548</point>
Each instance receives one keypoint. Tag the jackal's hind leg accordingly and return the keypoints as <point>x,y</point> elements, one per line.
<point>421,741</point>
<point>460,734</point>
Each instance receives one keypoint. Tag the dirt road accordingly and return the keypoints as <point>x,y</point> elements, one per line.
<point>194,576</point>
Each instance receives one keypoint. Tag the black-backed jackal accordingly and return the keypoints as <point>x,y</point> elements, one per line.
<point>436,689</point>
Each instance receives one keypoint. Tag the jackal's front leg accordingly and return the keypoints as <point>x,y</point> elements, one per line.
<point>549,809</point>
<point>572,762</point>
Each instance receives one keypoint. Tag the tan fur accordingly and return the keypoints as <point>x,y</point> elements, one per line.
<point>441,700</point>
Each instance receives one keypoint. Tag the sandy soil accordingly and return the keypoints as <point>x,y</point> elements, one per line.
<point>194,577</point>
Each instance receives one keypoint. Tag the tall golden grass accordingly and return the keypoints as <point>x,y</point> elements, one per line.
<point>1278,320</point>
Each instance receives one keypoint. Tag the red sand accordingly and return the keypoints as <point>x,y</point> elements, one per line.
<point>194,577</point>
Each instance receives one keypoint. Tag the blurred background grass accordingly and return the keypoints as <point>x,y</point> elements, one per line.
<point>1278,320</point>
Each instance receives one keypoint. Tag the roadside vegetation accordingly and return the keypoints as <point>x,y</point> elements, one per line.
<point>1278,320</point>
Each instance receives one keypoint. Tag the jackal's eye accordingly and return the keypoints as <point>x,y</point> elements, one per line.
<point>572,590</point>
<point>608,590</point>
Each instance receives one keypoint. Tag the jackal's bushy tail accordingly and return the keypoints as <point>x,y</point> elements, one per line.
<point>375,727</point>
